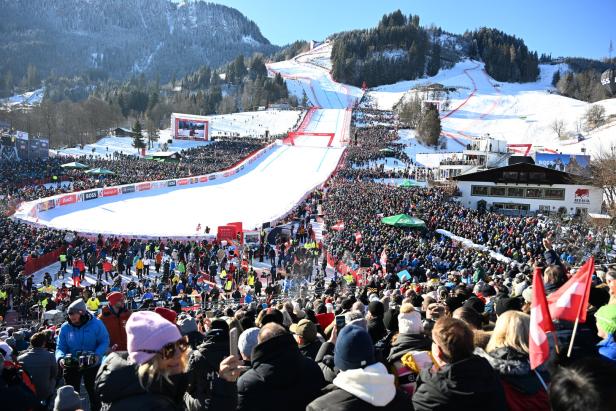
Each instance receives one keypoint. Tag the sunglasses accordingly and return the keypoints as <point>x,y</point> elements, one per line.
<point>168,350</point>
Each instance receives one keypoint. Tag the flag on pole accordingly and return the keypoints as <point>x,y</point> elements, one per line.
<point>570,302</point>
<point>540,324</point>
<point>357,237</point>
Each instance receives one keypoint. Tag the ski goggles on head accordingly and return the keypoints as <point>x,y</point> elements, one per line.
<point>168,350</point>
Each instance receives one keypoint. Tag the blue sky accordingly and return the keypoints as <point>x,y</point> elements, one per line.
<point>564,28</point>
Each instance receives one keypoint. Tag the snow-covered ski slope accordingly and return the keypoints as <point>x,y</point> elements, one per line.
<point>309,73</point>
<point>263,191</point>
<point>515,112</point>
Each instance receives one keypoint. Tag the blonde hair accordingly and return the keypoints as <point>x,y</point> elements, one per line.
<point>407,308</point>
<point>149,371</point>
<point>511,330</point>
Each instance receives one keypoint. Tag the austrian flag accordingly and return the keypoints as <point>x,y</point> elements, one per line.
<point>357,237</point>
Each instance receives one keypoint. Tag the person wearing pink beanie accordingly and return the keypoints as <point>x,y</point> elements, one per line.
<point>153,374</point>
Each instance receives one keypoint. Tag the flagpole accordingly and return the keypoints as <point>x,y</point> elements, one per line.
<point>577,320</point>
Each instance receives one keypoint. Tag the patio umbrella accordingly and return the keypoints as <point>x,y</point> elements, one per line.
<point>74,164</point>
<point>403,220</point>
<point>100,171</point>
<point>409,183</point>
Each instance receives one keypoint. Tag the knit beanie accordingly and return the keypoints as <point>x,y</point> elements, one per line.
<point>354,349</point>
<point>410,323</point>
<point>507,304</point>
<point>376,309</point>
<point>187,324</point>
<point>166,313</point>
<point>67,399</point>
<point>606,318</point>
<point>77,305</point>
<point>114,297</point>
<point>247,341</point>
<point>146,330</point>
<point>391,319</point>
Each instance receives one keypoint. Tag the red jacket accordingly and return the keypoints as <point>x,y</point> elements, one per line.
<point>325,319</point>
<point>116,326</point>
<point>519,401</point>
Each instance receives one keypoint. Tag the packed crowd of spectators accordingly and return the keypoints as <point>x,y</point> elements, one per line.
<point>207,325</point>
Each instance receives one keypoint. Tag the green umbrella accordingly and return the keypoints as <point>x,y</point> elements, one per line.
<point>403,220</point>
<point>74,164</point>
<point>409,183</point>
<point>99,170</point>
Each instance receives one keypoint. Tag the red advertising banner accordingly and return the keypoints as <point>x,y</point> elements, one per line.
<point>67,199</point>
<point>144,186</point>
<point>112,191</point>
<point>183,182</point>
<point>203,179</point>
<point>226,232</point>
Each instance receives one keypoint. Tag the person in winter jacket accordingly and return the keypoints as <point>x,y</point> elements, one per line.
<point>281,377</point>
<point>82,332</point>
<point>41,365</point>
<point>462,380</point>
<point>507,353</point>
<point>606,326</point>
<point>114,316</point>
<point>67,399</point>
<point>306,335</point>
<point>409,346</point>
<point>152,374</point>
<point>15,394</point>
<point>206,389</point>
<point>362,383</point>
<point>376,326</point>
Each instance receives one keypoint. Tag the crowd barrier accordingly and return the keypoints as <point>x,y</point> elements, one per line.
<point>29,211</point>
<point>34,264</point>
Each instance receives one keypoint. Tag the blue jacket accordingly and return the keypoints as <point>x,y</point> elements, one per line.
<point>607,348</point>
<point>91,336</point>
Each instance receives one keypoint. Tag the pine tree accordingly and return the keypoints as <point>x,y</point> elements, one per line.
<point>138,142</point>
<point>435,60</point>
<point>556,78</point>
<point>429,129</point>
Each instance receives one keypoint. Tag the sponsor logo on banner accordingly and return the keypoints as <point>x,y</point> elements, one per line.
<point>108,192</point>
<point>212,177</point>
<point>202,179</point>
<point>90,195</point>
<point>171,183</point>
<point>128,189</point>
<point>46,205</point>
<point>144,186</point>
<point>582,196</point>
<point>183,182</point>
<point>240,168</point>
<point>67,199</point>
<point>194,180</point>
<point>227,173</point>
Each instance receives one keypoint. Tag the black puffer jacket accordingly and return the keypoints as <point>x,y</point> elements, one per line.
<point>408,342</point>
<point>119,388</point>
<point>470,384</point>
<point>311,350</point>
<point>205,389</point>
<point>281,378</point>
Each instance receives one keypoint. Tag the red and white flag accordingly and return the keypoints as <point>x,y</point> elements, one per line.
<point>338,226</point>
<point>540,323</point>
<point>570,302</point>
<point>357,237</point>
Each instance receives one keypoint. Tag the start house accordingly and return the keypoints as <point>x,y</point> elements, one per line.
<point>525,188</point>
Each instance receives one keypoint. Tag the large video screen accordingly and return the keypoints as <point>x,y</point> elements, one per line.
<point>569,163</point>
<point>191,129</point>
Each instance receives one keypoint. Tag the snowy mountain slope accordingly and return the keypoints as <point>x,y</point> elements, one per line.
<point>518,113</point>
